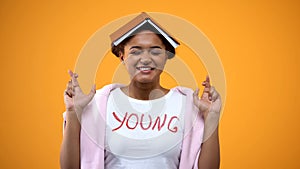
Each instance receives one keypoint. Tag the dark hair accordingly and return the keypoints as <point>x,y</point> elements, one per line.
<point>120,48</point>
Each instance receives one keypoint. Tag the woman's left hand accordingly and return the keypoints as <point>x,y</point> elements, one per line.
<point>210,101</point>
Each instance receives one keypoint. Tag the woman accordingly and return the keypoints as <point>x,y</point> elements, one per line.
<point>144,55</point>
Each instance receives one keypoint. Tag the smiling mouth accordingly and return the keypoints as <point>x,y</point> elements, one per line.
<point>143,68</point>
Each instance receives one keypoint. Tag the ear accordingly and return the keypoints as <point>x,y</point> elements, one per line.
<point>121,56</point>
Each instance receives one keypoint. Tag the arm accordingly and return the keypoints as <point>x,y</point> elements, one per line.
<point>209,157</point>
<point>75,101</point>
<point>70,149</point>
<point>210,106</point>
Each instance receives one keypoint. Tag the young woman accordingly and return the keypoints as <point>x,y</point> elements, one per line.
<point>142,124</point>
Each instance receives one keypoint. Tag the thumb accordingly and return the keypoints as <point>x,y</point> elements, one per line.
<point>196,97</point>
<point>92,92</point>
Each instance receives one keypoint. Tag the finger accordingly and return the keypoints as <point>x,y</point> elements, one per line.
<point>211,92</point>
<point>92,92</point>
<point>205,94</point>
<point>214,94</point>
<point>196,97</point>
<point>206,84</point>
<point>69,85</point>
<point>67,93</point>
<point>207,79</point>
<point>69,90</point>
<point>196,92</point>
<point>75,83</point>
<point>70,73</point>
<point>74,77</point>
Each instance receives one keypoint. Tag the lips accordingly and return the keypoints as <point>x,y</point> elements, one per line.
<point>145,69</point>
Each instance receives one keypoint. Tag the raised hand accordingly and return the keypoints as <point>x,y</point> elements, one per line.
<point>209,102</point>
<point>75,99</point>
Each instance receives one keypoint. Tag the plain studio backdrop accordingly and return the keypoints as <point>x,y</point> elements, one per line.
<point>258,45</point>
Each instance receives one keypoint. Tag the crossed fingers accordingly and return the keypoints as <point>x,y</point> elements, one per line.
<point>209,92</point>
<point>72,85</point>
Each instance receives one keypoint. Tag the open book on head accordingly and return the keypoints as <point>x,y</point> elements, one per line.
<point>142,20</point>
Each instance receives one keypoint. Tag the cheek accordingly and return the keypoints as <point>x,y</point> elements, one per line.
<point>130,65</point>
<point>160,63</point>
<point>130,61</point>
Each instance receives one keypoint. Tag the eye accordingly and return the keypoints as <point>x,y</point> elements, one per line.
<point>135,52</point>
<point>156,52</point>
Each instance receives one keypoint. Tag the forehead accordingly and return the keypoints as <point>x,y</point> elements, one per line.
<point>145,39</point>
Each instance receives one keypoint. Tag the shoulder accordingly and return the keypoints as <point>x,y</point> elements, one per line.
<point>183,90</point>
<point>105,90</point>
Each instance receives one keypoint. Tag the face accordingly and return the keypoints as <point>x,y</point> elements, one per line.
<point>144,57</point>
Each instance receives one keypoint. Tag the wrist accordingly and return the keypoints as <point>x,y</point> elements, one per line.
<point>211,123</point>
<point>70,109</point>
<point>72,123</point>
<point>74,112</point>
<point>71,115</point>
<point>210,116</point>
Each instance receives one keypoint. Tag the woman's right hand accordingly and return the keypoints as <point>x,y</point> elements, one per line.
<point>74,98</point>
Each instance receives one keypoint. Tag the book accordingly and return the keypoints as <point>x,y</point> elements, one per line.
<point>141,20</point>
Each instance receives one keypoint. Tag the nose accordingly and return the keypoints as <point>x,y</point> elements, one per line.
<point>146,58</point>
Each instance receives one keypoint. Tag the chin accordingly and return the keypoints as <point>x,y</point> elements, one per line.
<point>147,78</point>
<point>144,80</point>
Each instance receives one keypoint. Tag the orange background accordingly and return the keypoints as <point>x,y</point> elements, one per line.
<point>258,43</point>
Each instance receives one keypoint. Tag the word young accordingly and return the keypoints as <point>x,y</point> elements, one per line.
<point>139,121</point>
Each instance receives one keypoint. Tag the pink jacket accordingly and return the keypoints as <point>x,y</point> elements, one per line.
<point>93,131</point>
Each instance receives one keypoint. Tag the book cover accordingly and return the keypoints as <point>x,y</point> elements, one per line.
<point>125,31</point>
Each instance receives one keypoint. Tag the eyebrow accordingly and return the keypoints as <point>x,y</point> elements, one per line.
<point>139,47</point>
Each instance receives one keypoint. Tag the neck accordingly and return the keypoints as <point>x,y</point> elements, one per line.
<point>144,91</point>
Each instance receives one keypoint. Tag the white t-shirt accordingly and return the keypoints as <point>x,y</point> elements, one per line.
<point>144,134</point>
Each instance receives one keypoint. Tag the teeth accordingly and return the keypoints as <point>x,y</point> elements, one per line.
<point>144,68</point>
